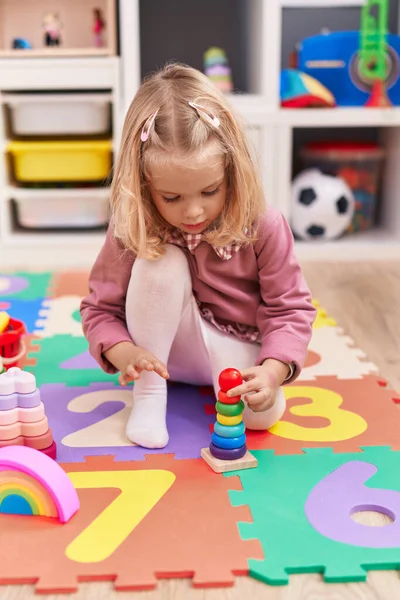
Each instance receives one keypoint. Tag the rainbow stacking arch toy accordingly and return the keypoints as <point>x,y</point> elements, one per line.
<point>31,483</point>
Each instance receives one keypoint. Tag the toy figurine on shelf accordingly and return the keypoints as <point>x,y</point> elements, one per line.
<point>20,44</point>
<point>98,27</point>
<point>52,29</point>
<point>216,67</point>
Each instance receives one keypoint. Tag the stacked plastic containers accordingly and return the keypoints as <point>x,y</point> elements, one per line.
<point>60,158</point>
<point>22,415</point>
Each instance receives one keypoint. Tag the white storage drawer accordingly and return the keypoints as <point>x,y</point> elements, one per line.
<point>56,209</point>
<point>59,114</point>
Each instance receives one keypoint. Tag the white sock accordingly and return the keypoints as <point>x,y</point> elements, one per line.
<point>157,293</point>
<point>147,422</point>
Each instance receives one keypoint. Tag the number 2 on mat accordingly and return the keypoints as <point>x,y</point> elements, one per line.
<point>343,425</point>
<point>140,492</point>
<point>107,432</point>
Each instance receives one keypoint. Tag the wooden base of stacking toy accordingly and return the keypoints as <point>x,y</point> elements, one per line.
<point>248,461</point>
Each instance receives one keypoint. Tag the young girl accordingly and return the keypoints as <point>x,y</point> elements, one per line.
<point>196,274</point>
<point>98,26</point>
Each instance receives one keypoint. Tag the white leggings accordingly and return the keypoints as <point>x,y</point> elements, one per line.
<point>163,317</point>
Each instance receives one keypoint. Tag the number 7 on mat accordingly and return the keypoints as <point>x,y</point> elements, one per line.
<point>140,492</point>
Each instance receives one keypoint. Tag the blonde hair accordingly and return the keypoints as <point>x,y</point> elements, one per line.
<point>179,128</point>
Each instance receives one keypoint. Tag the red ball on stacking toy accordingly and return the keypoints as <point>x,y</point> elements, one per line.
<point>229,378</point>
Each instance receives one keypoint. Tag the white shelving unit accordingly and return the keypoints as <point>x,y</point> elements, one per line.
<point>271,130</point>
<point>320,3</point>
<point>41,248</point>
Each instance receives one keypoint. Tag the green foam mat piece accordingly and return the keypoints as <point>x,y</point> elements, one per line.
<point>277,492</point>
<point>38,285</point>
<point>56,350</point>
<point>77,316</point>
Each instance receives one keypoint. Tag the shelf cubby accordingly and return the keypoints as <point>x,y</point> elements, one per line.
<point>178,30</point>
<point>23,20</point>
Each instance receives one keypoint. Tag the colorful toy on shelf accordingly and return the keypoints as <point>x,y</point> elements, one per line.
<point>12,347</point>
<point>299,90</point>
<point>373,50</point>
<point>228,450</point>
<point>22,415</point>
<point>360,68</point>
<point>33,484</point>
<point>99,25</point>
<point>359,164</point>
<point>52,29</point>
<point>216,67</point>
<point>21,44</point>
<point>322,206</point>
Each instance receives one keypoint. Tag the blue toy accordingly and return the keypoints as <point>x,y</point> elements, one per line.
<point>334,60</point>
<point>21,44</point>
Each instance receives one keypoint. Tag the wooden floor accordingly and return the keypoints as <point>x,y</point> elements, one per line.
<point>364,298</point>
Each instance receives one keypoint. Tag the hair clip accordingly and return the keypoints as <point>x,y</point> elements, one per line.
<point>144,136</point>
<point>210,117</point>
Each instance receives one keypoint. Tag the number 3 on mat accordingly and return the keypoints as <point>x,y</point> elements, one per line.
<point>343,425</point>
<point>140,492</point>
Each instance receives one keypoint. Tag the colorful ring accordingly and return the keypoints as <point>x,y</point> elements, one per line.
<point>222,397</point>
<point>228,443</point>
<point>229,420</point>
<point>228,454</point>
<point>229,431</point>
<point>229,410</point>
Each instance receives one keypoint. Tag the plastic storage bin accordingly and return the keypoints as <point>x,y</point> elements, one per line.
<point>60,161</point>
<point>360,165</point>
<point>59,114</point>
<point>59,209</point>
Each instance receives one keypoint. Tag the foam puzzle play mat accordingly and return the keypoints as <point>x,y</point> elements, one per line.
<point>101,508</point>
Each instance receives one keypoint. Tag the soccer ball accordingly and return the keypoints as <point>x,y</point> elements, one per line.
<point>322,206</point>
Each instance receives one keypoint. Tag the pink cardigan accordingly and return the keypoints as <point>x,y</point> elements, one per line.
<point>261,286</point>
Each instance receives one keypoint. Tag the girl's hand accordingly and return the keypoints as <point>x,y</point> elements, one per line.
<point>261,384</point>
<point>138,360</point>
<point>131,360</point>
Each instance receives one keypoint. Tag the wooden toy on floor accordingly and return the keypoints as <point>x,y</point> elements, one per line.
<point>33,484</point>
<point>228,450</point>
<point>22,415</point>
